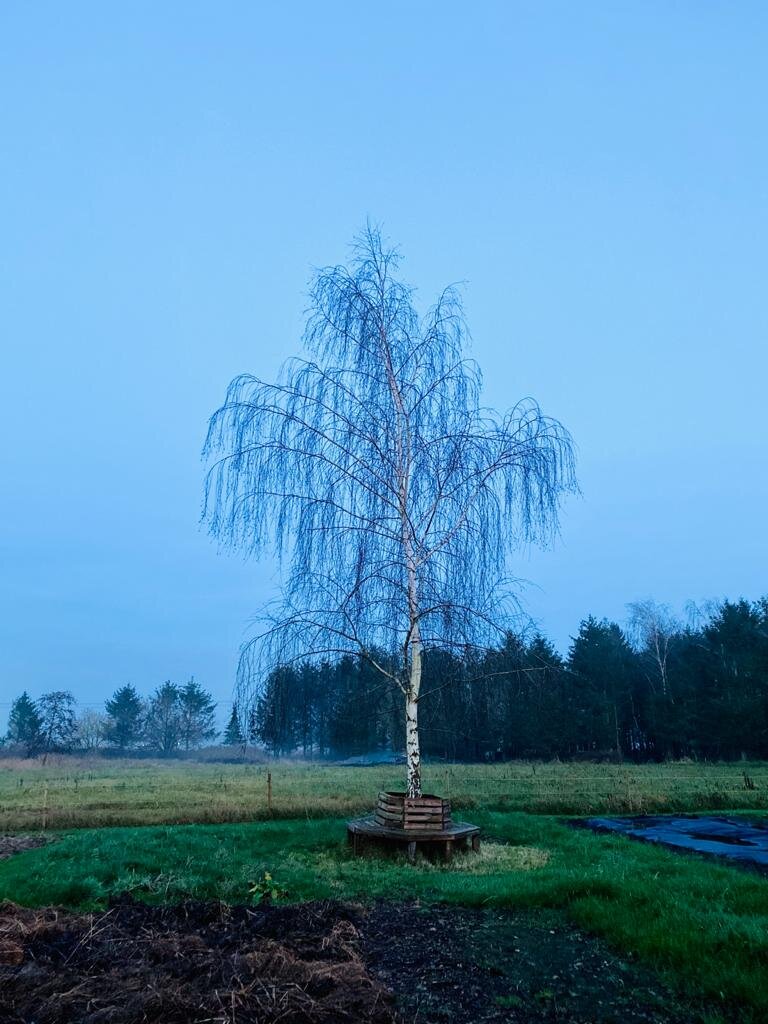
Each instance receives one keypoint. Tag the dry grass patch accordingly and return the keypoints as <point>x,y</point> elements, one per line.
<point>491,859</point>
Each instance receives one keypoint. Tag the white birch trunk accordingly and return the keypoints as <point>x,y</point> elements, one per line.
<point>412,750</point>
<point>413,650</point>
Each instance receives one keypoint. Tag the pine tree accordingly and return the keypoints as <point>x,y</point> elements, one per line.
<point>126,711</point>
<point>198,715</point>
<point>233,734</point>
<point>25,726</point>
<point>604,664</point>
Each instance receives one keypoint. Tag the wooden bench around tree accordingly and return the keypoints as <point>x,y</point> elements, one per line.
<point>367,831</point>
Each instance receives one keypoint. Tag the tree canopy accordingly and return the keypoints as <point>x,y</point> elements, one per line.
<point>374,471</point>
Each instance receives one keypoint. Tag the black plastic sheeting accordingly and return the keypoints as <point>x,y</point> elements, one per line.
<point>742,841</point>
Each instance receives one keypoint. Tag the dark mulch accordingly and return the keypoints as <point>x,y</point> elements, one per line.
<point>483,966</point>
<point>17,844</point>
<point>316,962</point>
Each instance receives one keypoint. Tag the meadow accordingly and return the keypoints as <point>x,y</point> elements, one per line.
<point>702,925</point>
<point>68,792</point>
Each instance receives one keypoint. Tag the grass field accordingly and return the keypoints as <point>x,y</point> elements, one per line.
<point>703,925</point>
<point>68,793</point>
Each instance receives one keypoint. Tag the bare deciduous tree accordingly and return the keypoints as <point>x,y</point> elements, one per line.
<point>651,627</point>
<point>90,729</point>
<point>393,496</point>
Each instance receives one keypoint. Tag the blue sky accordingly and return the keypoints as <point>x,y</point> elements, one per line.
<point>596,174</point>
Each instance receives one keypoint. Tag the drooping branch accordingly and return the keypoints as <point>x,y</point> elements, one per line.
<point>371,467</point>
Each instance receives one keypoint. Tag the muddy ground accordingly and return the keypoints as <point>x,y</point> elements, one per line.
<point>17,844</point>
<point>317,962</point>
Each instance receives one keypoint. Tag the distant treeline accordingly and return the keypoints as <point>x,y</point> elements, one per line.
<point>657,689</point>
<point>173,719</point>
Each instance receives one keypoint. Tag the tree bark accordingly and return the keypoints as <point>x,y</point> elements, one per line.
<point>412,750</point>
<point>403,443</point>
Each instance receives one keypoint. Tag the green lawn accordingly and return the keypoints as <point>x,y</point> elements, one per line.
<point>71,793</point>
<point>702,924</point>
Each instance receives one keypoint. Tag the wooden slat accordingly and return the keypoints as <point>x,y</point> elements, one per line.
<point>421,814</point>
<point>401,798</point>
<point>386,816</point>
<point>420,824</point>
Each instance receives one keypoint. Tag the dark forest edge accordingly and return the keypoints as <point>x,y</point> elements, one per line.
<point>655,690</point>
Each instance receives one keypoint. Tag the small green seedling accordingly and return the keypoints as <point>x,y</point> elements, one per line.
<point>265,890</point>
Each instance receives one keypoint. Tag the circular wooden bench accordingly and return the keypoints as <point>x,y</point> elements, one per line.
<point>362,831</point>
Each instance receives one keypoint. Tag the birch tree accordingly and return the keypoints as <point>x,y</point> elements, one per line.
<point>390,495</point>
<point>652,626</point>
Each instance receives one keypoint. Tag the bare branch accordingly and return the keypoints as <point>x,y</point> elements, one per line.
<point>395,495</point>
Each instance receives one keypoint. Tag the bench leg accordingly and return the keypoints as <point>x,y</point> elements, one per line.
<point>476,844</point>
<point>411,852</point>
<point>448,851</point>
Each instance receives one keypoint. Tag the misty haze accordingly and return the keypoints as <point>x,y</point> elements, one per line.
<point>385,605</point>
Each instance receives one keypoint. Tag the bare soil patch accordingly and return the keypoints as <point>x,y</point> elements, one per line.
<point>17,844</point>
<point>316,962</point>
<point>519,967</point>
